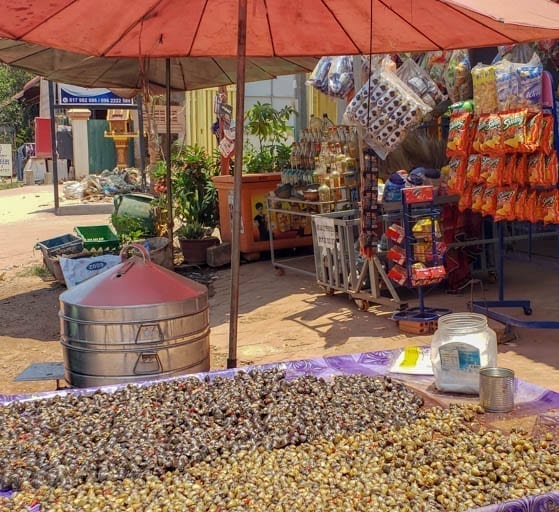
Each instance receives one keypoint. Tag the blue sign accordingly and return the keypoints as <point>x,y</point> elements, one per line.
<point>73,95</point>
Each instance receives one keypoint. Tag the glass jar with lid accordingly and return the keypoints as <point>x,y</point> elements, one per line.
<point>462,344</point>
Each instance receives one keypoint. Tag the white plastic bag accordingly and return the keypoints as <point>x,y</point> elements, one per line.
<point>78,270</point>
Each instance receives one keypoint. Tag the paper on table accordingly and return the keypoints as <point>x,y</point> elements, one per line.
<point>413,360</point>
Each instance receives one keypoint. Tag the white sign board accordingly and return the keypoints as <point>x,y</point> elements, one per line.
<point>325,232</point>
<point>6,168</point>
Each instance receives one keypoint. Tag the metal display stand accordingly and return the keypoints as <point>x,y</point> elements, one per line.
<point>306,209</point>
<point>412,213</point>
<point>484,306</point>
<point>339,267</point>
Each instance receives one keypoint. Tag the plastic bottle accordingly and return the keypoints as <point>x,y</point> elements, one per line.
<point>462,344</point>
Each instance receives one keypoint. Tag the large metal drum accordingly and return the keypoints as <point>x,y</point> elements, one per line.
<point>136,321</point>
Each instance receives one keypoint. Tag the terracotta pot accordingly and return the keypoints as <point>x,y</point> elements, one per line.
<point>194,250</point>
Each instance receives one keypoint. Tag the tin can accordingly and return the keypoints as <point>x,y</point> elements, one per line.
<point>496,389</point>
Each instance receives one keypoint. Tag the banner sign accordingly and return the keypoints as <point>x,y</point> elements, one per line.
<point>6,160</point>
<point>80,96</point>
<point>325,232</point>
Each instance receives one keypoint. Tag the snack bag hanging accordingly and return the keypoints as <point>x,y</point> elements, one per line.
<point>514,130</point>
<point>550,202</point>
<point>536,169</point>
<point>520,204</point>
<point>485,89</point>
<point>547,138</point>
<point>509,170</point>
<point>533,133</point>
<point>457,76</point>
<point>419,81</point>
<point>459,134</point>
<point>506,85</point>
<point>477,197</point>
<point>530,209</point>
<point>489,201</point>
<point>340,77</point>
<point>473,168</point>
<point>505,203</point>
<point>319,75</point>
<point>492,170</point>
<point>456,174</point>
<point>529,77</point>
<point>521,175</point>
<point>551,172</point>
<point>489,135</point>
<point>465,200</point>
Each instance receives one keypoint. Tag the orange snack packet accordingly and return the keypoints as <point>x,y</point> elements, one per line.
<point>492,169</point>
<point>540,196</point>
<point>509,172</point>
<point>530,209</point>
<point>465,201</point>
<point>489,201</point>
<point>459,134</point>
<point>550,202</point>
<point>473,168</point>
<point>521,175</point>
<point>514,130</point>
<point>533,133</point>
<point>551,171</point>
<point>477,197</point>
<point>536,169</point>
<point>520,204</point>
<point>456,174</point>
<point>547,137</point>
<point>506,198</point>
<point>490,135</point>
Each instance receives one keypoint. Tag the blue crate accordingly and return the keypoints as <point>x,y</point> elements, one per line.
<point>64,244</point>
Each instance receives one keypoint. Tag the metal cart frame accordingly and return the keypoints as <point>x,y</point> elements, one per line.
<point>337,266</point>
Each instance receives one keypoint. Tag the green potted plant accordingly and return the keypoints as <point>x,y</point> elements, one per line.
<point>194,199</point>
<point>269,126</point>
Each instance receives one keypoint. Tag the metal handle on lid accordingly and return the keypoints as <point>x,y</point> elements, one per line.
<point>138,247</point>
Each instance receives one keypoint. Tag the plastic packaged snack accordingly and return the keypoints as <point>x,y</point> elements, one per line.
<point>506,197</point>
<point>520,204</point>
<point>551,171</point>
<point>465,200</point>
<point>477,197</point>
<point>492,170</point>
<point>530,206</point>
<point>319,76</point>
<point>473,168</point>
<point>488,137</point>
<point>457,76</point>
<point>509,172</point>
<point>549,205</point>
<point>435,64</point>
<point>522,176</point>
<point>489,201</point>
<point>533,133</point>
<point>460,107</point>
<point>456,174</point>
<point>547,137</point>
<point>485,89</point>
<point>536,169</point>
<point>529,78</point>
<point>459,134</point>
<point>506,85</point>
<point>340,77</point>
<point>514,130</point>
<point>419,81</point>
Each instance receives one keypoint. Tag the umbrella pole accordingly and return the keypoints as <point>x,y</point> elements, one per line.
<point>237,184</point>
<point>168,151</point>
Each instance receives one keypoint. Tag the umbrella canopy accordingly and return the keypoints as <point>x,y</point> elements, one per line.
<point>187,73</point>
<point>202,28</point>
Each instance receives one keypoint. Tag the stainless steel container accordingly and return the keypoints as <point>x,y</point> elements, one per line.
<point>496,389</point>
<point>134,322</point>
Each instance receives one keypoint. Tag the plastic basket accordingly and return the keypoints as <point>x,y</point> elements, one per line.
<point>64,244</point>
<point>98,238</point>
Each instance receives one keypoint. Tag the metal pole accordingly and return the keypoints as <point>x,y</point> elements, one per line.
<point>168,151</point>
<point>53,149</point>
<point>141,140</point>
<point>237,184</point>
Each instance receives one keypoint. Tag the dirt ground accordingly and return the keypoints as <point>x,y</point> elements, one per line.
<point>281,317</point>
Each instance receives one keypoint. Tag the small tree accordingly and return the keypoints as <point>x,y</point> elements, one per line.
<point>14,114</point>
